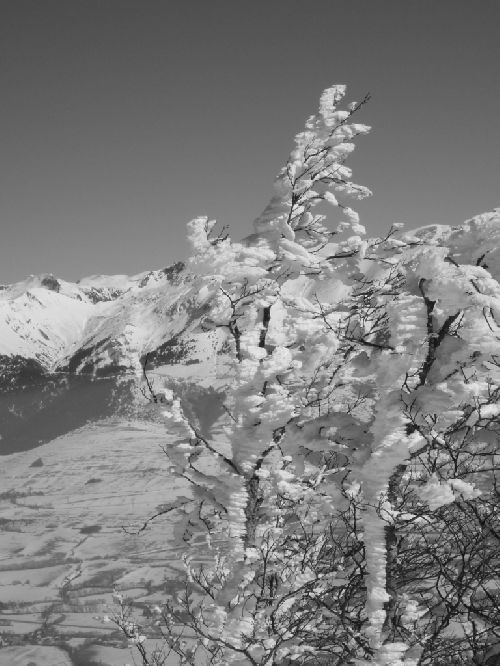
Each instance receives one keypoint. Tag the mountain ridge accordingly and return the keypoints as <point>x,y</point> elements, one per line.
<point>110,321</point>
<point>72,352</point>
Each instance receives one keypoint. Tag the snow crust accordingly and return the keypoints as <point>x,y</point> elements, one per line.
<point>63,544</point>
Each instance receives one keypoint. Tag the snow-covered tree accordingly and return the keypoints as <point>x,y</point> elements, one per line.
<point>344,504</point>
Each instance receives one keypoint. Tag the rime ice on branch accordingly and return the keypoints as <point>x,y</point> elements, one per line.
<point>316,173</point>
<point>355,378</point>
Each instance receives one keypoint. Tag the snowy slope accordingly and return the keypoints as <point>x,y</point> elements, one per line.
<point>64,548</point>
<point>100,322</point>
<point>42,324</point>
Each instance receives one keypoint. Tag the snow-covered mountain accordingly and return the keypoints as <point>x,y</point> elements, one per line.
<point>98,325</point>
<point>68,351</point>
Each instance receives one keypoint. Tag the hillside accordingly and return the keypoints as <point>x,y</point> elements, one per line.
<point>70,511</point>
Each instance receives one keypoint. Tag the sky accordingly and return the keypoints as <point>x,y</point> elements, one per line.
<point>121,120</point>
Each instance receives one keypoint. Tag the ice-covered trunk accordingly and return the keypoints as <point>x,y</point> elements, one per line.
<point>392,548</point>
<point>390,449</point>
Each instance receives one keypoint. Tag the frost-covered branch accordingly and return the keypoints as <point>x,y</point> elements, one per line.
<point>345,495</point>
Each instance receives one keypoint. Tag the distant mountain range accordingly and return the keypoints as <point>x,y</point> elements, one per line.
<point>71,352</point>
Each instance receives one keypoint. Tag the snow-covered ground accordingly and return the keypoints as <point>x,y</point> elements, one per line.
<point>66,508</point>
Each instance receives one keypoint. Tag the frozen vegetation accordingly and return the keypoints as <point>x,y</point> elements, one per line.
<point>326,487</point>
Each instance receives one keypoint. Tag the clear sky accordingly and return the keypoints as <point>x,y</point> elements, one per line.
<point>123,119</point>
